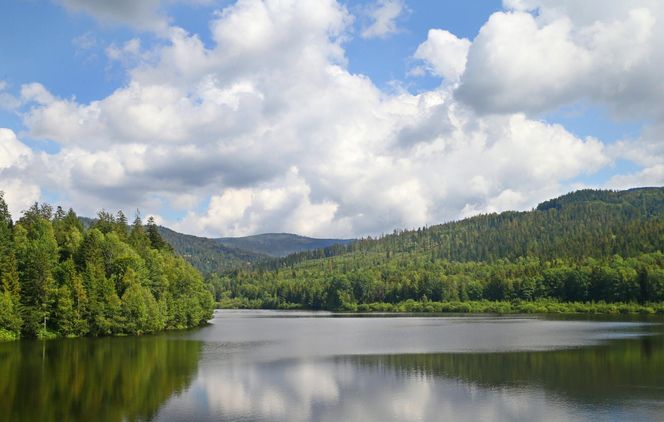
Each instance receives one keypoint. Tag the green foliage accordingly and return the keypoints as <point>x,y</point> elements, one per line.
<point>208,255</point>
<point>585,247</point>
<point>60,280</point>
<point>587,223</point>
<point>10,318</point>
<point>279,244</point>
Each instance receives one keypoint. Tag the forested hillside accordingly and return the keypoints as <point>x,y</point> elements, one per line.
<point>585,246</point>
<point>61,279</point>
<point>221,255</point>
<point>210,255</point>
<point>279,244</point>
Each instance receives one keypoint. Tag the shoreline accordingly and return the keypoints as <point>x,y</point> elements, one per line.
<point>474,307</point>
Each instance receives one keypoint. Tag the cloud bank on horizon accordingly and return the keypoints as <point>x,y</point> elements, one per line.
<point>258,123</point>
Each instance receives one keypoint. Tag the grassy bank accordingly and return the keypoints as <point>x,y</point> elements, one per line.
<point>483,306</point>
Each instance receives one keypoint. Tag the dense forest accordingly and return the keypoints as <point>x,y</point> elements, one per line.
<point>279,245</point>
<point>209,255</point>
<point>585,247</point>
<point>61,279</point>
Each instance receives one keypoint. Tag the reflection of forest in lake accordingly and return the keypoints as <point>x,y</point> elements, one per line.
<point>108,379</point>
<point>621,370</point>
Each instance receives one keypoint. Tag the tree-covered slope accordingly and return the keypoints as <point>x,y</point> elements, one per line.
<point>586,223</point>
<point>279,244</point>
<point>584,246</point>
<point>60,279</point>
<point>209,255</point>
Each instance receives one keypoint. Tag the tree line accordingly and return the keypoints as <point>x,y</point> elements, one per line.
<point>59,279</point>
<point>595,223</point>
<point>347,282</point>
<point>587,246</point>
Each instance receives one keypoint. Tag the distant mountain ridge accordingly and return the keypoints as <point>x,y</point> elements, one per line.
<point>229,253</point>
<point>210,255</point>
<point>279,244</point>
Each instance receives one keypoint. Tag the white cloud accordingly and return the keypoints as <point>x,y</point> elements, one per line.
<point>650,176</point>
<point>569,51</point>
<point>12,151</point>
<point>444,53</point>
<point>271,129</point>
<point>383,15</point>
<point>647,152</point>
<point>245,211</point>
<point>14,158</point>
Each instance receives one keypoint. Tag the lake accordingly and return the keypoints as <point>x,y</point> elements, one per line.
<point>299,366</point>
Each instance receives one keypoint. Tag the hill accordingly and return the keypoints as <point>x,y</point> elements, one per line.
<point>589,245</point>
<point>221,255</point>
<point>279,244</point>
<point>209,255</point>
<point>585,223</point>
<point>232,253</point>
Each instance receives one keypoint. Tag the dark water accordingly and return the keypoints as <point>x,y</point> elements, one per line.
<point>272,366</point>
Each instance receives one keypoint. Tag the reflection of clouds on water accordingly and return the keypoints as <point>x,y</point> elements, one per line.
<point>314,383</point>
<point>327,369</point>
<point>280,391</point>
<point>412,403</point>
<point>341,390</point>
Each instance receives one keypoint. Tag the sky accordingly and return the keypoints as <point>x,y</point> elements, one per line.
<point>326,118</point>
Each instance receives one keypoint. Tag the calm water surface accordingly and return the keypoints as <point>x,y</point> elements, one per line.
<point>298,366</point>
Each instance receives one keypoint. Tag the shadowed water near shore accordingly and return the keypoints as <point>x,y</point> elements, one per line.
<point>278,366</point>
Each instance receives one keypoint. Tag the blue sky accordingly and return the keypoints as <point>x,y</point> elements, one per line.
<point>70,68</point>
<point>48,50</point>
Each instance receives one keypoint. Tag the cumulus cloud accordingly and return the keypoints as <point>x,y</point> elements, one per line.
<point>650,176</point>
<point>245,211</point>
<point>444,53</point>
<point>267,129</point>
<point>14,158</point>
<point>383,16</point>
<point>533,62</point>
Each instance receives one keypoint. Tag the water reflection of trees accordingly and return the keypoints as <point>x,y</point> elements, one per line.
<point>111,379</point>
<point>621,369</point>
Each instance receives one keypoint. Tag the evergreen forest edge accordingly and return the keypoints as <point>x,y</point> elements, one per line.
<point>60,280</point>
